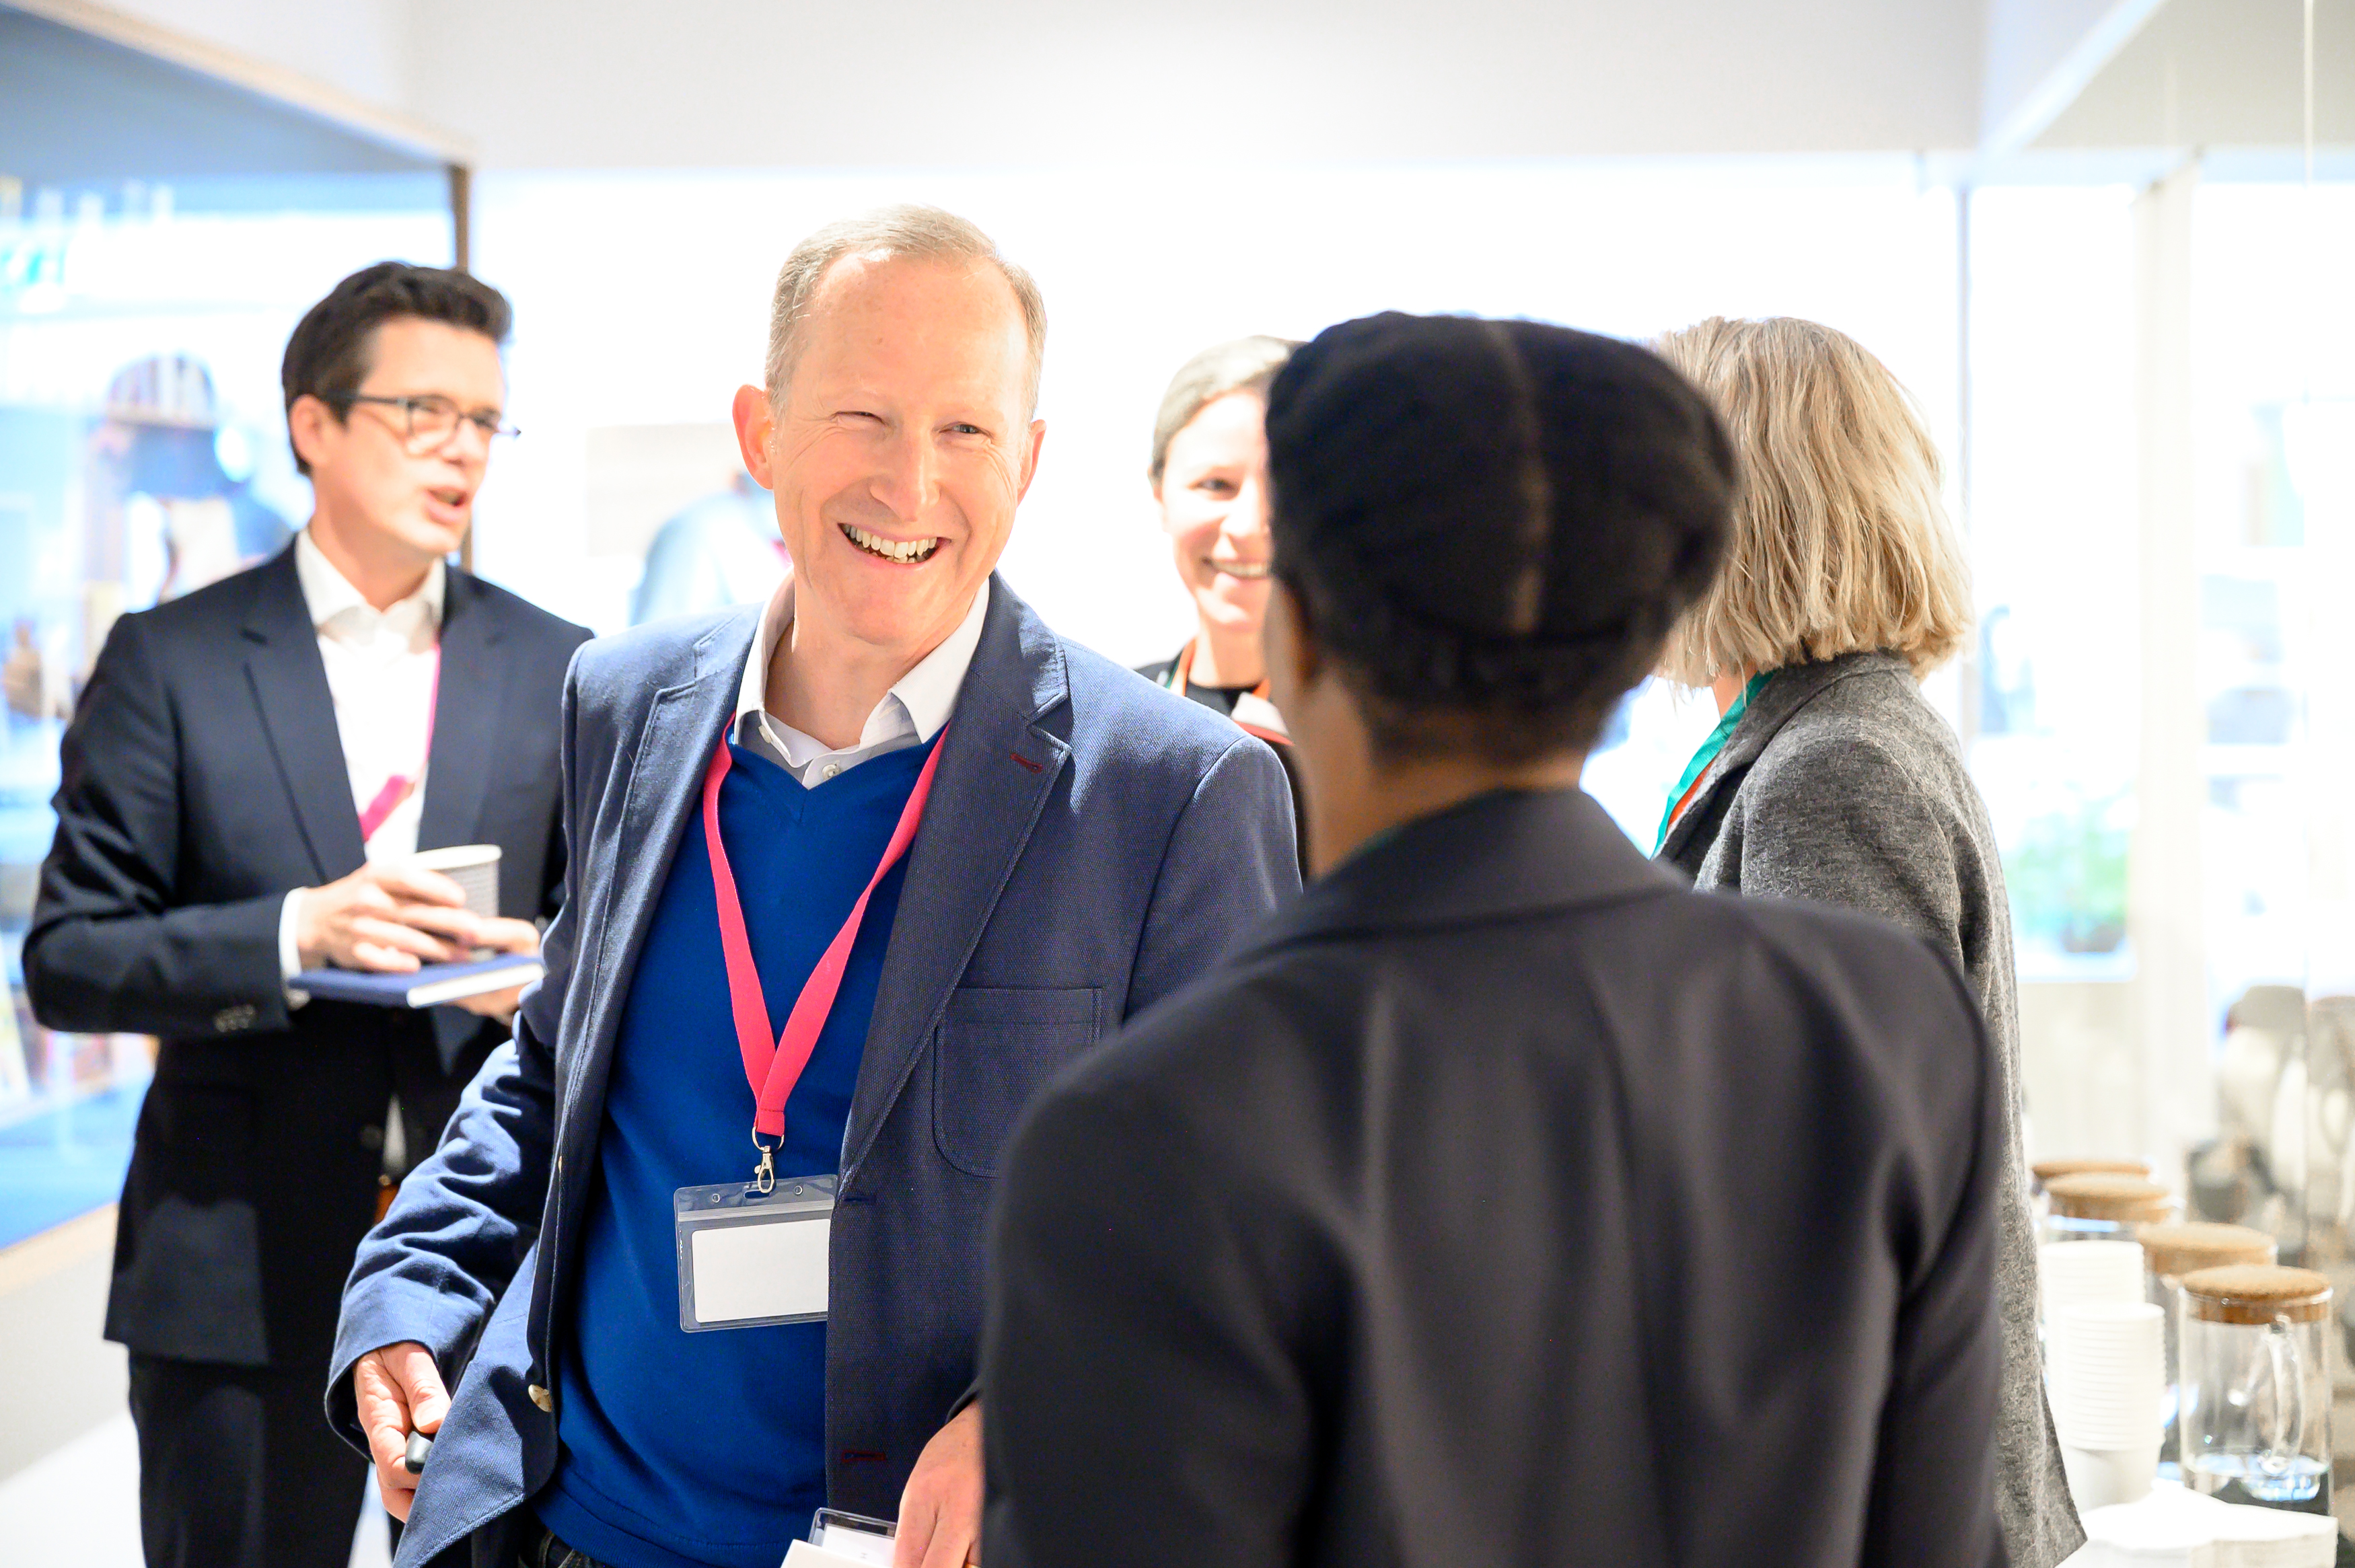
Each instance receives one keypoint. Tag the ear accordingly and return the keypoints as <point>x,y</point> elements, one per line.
<point>755,423</point>
<point>306,427</point>
<point>1030,458</point>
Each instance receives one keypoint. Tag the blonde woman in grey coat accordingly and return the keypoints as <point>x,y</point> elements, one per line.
<point>1830,777</point>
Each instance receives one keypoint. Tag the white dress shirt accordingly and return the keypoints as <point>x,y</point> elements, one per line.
<point>910,713</point>
<point>380,671</point>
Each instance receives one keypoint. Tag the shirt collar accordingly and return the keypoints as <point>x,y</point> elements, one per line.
<point>327,593</point>
<point>924,696</point>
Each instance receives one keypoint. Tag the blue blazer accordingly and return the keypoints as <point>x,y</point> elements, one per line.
<point>1093,843</point>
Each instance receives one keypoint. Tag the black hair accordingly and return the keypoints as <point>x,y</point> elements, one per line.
<point>1491,525</point>
<point>328,356</point>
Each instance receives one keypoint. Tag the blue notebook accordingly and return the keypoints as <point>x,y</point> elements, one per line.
<point>426,987</point>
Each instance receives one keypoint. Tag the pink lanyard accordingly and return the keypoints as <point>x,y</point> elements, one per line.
<point>773,1070</point>
<point>397,788</point>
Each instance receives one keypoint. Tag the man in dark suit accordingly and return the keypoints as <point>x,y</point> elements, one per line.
<point>1504,1201</point>
<point>852,874</point>
<point>248,777</point>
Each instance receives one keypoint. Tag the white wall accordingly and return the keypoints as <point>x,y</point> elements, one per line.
<point>642,299</point>
<point>739,83</point>
<point>591,83</point>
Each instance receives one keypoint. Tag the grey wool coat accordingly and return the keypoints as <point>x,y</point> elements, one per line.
<point>1842,785</point>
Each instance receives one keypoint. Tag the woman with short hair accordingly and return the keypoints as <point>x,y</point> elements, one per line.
<point>1830,777</point>
<point>1210,478</point>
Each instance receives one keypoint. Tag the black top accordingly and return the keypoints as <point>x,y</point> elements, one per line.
<point>1504,1201</point>
<point>1218,699</point>
<point>204,779</point>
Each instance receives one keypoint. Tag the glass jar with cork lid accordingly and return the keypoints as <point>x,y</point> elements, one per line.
<point>2255,1419</point>
<point>2169,1253</point>
<point>2102,1206</point>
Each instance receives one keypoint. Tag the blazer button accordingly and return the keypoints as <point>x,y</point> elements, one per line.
<point>542,1398</point>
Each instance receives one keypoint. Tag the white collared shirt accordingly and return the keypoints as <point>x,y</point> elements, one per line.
<point>910,713</point>
<point>380,668</point>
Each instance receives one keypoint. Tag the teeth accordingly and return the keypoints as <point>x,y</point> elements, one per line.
<point>1247,570</point>
<point>904,551</point>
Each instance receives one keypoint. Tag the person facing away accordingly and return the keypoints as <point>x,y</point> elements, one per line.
<point>1502,1200</point>
<point>246,783</point>
<point>1829,776</point>
<point>1210,478</point>
<point>854,873</point>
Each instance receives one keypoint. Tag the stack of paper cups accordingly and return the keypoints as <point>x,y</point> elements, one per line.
<point>2076,1272</point>
<point>2108,1398</point>
<point>2082,1273</point>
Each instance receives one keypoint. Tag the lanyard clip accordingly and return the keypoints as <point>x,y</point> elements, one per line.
<point>765,1174</point>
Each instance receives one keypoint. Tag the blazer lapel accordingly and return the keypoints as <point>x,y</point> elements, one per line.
<point>621,874</point>
<point>998,768</point>
<point>468,704</point>
<point>298,714</point>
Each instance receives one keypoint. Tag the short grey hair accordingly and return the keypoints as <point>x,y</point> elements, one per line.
<point>1238,365</point>
<point>926,233</point>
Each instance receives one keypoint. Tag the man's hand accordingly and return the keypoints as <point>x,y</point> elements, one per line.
<point>388,917</point>
<point>507,937</point>
<point>398,1391</point>
<point>939,1513</point>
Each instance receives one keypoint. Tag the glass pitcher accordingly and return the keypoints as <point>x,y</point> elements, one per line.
<point>2169,1253</point>
<point>2255,1419</point>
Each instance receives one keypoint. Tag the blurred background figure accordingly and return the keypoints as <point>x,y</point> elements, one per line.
<point>1210,478</point>
<point>722,550</point>
<point>168,507</point>
<point>1830,777</point>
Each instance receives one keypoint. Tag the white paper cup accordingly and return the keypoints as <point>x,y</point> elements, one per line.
<point>2073,1272</point>
<point>2110,1365</point>
<point>476,869</point>
<point>2101,1476</point>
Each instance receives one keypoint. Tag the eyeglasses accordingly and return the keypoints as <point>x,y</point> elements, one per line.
<point>428,422</point>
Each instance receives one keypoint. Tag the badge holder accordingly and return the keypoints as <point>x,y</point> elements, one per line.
<point>837,1538</point>
<point>754,1252</point>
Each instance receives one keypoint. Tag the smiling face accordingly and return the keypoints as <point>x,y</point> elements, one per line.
<point>1213,495</point>
<point>900,449</point>
<point>372,490</point>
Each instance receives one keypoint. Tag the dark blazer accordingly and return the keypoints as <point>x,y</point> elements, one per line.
<point>204,779</point>
<point>1503,1202</point>
<point>1841,783</point>
<point>1091,846</point>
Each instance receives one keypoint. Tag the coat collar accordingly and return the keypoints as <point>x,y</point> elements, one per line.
<point>1792,688</point>
<point>1511,852</point>
<point>289,685</point>
<point>470,705</point>
<point>1005,746</point>
<point>684,720</point>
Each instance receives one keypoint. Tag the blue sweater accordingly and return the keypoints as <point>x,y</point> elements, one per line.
<point>681,1450</point>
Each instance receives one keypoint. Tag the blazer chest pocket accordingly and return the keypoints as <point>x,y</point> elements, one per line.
<point>996,1047</point>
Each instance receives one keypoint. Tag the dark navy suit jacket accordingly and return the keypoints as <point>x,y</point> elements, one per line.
<point>202,780</point>
<point>1092,845</point>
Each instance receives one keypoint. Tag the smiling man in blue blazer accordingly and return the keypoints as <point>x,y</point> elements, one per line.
<point>851,876</point>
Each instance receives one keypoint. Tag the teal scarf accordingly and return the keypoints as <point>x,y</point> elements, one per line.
<point>1708,754</point>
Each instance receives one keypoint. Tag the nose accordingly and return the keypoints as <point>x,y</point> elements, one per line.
<point>907,475</point>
